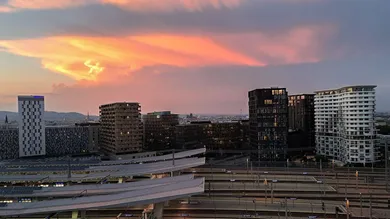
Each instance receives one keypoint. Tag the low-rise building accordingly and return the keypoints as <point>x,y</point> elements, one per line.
<point>159,129</point>
<point>215,136</point>
<point>60,141</point>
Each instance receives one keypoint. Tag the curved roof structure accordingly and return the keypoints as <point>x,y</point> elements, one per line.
<point>100,172</point>
<point>92,189</point>
<point>137,197</point>
<point>53,166</point>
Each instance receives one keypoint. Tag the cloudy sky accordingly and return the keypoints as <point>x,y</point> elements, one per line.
<point>199,56</point>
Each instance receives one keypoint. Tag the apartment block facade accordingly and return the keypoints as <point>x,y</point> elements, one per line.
<point>345,124</point>
<point>31,126</point>
<point>160,130</point>
<point>268,123</point>
<point>301,119</point>
<point>121,129</point>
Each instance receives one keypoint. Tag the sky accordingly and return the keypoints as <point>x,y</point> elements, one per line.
<point>188,56</point>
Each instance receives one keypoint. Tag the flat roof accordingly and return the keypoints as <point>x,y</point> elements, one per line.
<point>119,103</point>
<point>31,97</point>
<point>353,86</point>
<point>295,95</point>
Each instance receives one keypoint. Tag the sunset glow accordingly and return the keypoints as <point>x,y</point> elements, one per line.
<point>187,55</point>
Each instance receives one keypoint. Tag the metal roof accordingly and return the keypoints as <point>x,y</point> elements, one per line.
<point>113,171</point>
<point>138,197</point>
<point>92,189</point>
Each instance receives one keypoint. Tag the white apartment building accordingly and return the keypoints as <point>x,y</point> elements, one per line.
<point>31,126</point>
<point>345,125</point>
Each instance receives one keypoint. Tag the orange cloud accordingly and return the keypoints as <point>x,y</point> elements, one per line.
<point>46,4</point>
<point>133,5</point>
<point>297,45</point>
<point>172,5</point>
<point>85,58</point>
<point>5,9</point>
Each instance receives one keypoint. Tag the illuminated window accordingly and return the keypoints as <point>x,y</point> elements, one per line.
<point>275,124</point>
<point>267,102</point>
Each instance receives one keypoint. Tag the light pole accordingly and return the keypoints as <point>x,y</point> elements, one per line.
<point>272,193</point>
<point>347,206</point>
<point>254,202</point>
<point>357,179</point>
<point>247,166</point>
<point>361,205</point>
<point>266,190</point>
<point>333,164</point>
<point>386,164</point>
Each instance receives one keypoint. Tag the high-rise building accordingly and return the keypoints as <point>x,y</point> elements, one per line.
<point>345,125</point>
<point>160,130</point>
<point>121,129</point>
<point>31,126</point>
<point>301,121</point>
<point>268,123</point>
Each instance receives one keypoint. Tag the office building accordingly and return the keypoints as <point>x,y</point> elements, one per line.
<point>188,136</point>
<point>383,141</point>
<point>59,141</point>
<point>121,128</point>
<point>301,122</point>
<point>9,143</point>
<point>160,130</point>
<point>268,123</point>
<point>345,125</point>
<point>66,140</point>
<point>31,126</point>
<point>216,137</point>
<point>93,135</point>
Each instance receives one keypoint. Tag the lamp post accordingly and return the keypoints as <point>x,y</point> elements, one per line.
<point>266,190</point>
<point>333,164</point>
<point>347,206</point>
<point>357,179</point>
<point>361,205</point>
<point>272,192</point>
<point>247,166</point>
<point>254,202</point>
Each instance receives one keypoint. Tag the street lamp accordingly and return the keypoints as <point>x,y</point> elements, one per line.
<point>357,178</point>
<point>333,164</point>
<point>247,166</point>
<point>254,202</point>
<point>266,190</point>
<point>361,205</point>
<point>347,206</point>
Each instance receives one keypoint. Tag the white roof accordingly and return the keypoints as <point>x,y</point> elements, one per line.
<point>138,197</point>
<point>178,155</point>
<point>112,171</point>
<point>100,189</point>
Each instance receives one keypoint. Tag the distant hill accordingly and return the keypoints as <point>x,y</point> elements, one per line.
<point>50,116</point>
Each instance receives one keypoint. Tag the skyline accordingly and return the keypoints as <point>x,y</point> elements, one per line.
<point>188,56</point>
